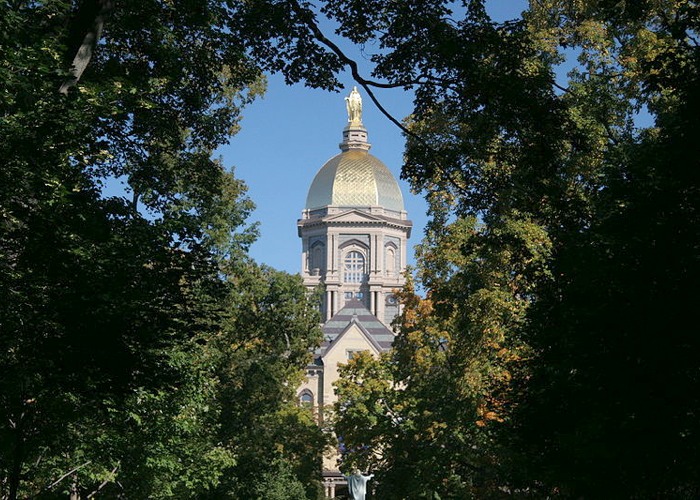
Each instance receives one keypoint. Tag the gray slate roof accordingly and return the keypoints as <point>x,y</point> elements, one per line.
<point>355,311</point>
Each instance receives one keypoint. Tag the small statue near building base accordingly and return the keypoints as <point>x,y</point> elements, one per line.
<point>357,485</point>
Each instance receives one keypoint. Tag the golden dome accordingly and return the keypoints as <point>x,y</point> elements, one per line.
<point>354,178</point>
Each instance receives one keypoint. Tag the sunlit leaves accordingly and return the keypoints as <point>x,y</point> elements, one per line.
<point>552,199</point>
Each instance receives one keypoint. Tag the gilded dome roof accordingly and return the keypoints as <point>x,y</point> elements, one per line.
<point>354,178</point>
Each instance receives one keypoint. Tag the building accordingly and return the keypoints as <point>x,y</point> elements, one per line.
<point>354,233</point>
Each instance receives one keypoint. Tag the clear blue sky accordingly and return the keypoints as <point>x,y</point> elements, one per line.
<point>288,135</point>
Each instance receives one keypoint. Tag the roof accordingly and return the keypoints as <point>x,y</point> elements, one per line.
<point>355,312</point>
<point>354,178</point>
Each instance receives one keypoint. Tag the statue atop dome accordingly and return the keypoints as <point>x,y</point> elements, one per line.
<point>354,133</point>
<point>353,103</point>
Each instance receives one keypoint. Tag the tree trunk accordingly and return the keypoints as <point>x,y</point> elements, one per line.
<point>17,459</point>
<point>74,495</point>
<point>86,33</point>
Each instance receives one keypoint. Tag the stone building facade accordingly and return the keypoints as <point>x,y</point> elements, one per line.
<point>354,231</point>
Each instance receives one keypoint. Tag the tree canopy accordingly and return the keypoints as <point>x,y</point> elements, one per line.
<point>126,321</point>
<point>551,355</point>
<point>144,354</point>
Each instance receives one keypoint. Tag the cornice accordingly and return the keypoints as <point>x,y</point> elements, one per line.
<point>330,223</point>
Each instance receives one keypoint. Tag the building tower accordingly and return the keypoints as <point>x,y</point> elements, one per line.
<point>354,234</point>
<point>354,228</point>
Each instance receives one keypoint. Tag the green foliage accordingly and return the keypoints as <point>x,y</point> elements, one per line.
<point>269,335</point>
<point>362,419</point>
<point>276,482</point>
<point>111,309</point>
<point>561,258</point>
<point>142,350</point>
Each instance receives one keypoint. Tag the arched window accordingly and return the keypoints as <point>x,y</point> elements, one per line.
<point>390,261</point>
<point>317,258</point>
<point>354,268</point>
<point>306,399</point>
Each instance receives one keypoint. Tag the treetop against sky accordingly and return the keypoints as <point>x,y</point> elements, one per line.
<point>287,135</point>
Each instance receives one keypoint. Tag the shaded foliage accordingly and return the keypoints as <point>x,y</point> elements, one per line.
<point>561,256</point>
<point>111,307</point>
<point>551,355</point>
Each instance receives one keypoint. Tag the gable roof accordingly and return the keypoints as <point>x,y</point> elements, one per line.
<point>355,312</point>
<point>354,324</point>
<point>355,216</point>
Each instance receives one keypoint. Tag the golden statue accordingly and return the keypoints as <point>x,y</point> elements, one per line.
<point>354,105</point>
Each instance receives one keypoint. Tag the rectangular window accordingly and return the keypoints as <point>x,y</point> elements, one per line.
<point>351,353</point>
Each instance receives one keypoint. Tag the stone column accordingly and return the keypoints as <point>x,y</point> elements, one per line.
<point>329,305</point>
<point>381,299</point>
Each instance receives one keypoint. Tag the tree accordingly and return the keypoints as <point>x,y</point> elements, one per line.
<point>615,335</point>
<point>110,306</point>
<point>561,257</point>
<point>268,337</point>
<point>433,431</point>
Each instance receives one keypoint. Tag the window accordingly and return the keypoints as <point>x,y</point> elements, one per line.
<point>317,259</point>
<point>351,353</point>
<point>306,399</point>
<point>354,268</point>
<point>348,295</point>
<point>359,295</point>
<point>390,262</point>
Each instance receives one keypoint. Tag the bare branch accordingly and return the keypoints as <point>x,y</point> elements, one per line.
<point>367,85</point>
<point>563,89</point>
<point>104,483</point>
<point>75,469</point>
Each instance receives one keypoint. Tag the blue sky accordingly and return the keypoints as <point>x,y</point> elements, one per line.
<point>286,137</point>
<point>289,134</point>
